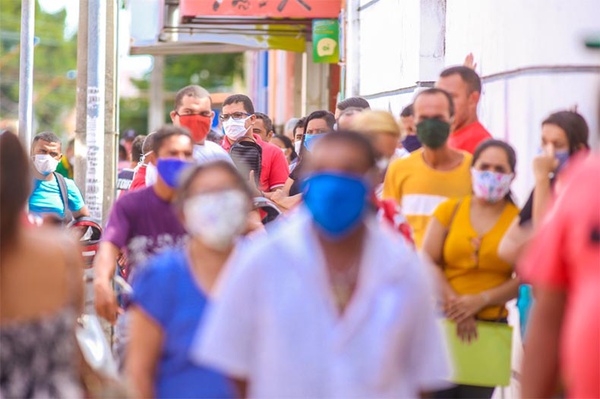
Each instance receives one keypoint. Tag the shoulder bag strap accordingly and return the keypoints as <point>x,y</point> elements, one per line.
<point>64,195</point>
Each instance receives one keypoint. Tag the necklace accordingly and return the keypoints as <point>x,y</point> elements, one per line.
<point>343,283</point>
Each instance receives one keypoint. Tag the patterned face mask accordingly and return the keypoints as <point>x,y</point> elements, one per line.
<point>491,186</point>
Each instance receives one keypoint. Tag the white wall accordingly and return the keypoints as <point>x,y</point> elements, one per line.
<point>400,41</point>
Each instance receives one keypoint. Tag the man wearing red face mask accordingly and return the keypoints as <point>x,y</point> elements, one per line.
<point>193,110</point>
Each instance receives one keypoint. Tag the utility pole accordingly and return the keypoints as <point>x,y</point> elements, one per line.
<point>26,73</point>
<point>95,107</point>
<point>111,134</point>
<point>80,166</point>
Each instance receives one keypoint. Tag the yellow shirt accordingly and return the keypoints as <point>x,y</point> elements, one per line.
<point>419,189</point>
<point>471,261</point>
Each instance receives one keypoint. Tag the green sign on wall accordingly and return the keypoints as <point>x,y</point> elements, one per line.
<point>326,41</point>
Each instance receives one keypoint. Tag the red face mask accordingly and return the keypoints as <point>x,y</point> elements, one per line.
<point>198,125</point>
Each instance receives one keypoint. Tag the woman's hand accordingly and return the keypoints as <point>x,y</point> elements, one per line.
<point>462,307</point>
<point>545,164</point>
<point>467,330</point>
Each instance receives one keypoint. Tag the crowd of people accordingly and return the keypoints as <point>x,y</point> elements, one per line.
<point>388,225</point>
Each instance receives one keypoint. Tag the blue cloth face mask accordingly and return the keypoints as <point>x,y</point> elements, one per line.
<point>169,170</point>
<point>311,139</point>
<point>336,201</point>
<point>563,158</point>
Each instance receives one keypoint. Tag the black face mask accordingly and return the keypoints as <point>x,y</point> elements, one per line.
<point>433,132</point>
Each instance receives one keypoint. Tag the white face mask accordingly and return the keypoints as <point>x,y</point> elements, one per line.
<point>216,218</point>
<point>44,163</point>
<point>235,129</point>
<point>297,145</point>
<point>151,174</point>
<point>383,163</point>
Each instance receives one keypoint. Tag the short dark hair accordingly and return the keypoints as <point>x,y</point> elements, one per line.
<point>511,155</point>
<point>165,133</point>
<point>191,91</point>
<point>468,76</point>
<point>407,111</point>
<point>434,91</point>
<point>574,126</point>
<point>353,102</point>
<point>15,186</point>
<point>240,98</point>
<point>136,148</point>
<point>46,136</point>
<point>266,121</point>
<point>357,140</point>
<point>300,123</point>
<point>320,114</point>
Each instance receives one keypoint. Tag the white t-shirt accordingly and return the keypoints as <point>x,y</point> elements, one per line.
<point>210,152</point>
<point>274,322</point>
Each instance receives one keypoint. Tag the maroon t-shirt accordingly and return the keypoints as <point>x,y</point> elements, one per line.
<point>142,224</point>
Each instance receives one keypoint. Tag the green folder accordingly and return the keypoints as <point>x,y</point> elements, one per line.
<point>485,362</point>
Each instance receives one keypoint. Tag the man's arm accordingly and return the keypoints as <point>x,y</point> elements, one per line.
<point>104,267</point>
<point>84,211</point>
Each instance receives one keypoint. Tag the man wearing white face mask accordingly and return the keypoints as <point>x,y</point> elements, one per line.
<point>238,119</point>
<point>47,196</point>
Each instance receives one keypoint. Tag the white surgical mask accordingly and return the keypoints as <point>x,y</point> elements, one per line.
<point>297,146</point>
<point>235,129</point>
<point>216,218</point>
<point>151,174</point>
<point>383,163</point>
<point>44,163</point>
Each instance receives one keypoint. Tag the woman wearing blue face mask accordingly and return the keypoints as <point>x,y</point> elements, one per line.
<point>462,240</point>
<point>564,135</point>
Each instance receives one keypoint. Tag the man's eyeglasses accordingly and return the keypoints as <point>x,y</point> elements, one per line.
<point>236,116</point>
<point>206,114</point>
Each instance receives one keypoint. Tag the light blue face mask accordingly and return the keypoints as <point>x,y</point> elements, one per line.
<point>337,202</point>
<point>311,139</point>
<point>563,158</point>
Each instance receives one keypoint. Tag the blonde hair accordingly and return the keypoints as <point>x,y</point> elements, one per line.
<point>376,122</point>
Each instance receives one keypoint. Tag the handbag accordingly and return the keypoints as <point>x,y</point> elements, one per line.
<point>484,362</point>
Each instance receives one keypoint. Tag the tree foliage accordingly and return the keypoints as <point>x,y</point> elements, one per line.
<point>215,72</point>
<point>54,56</point>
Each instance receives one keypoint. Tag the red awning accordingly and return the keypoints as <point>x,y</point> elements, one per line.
<point>303,9</point>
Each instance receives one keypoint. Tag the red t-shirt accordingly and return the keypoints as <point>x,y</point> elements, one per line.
<point>565,256</point>
<point>139,179</point>
<point>274,166</point>
<point>469,137</point>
